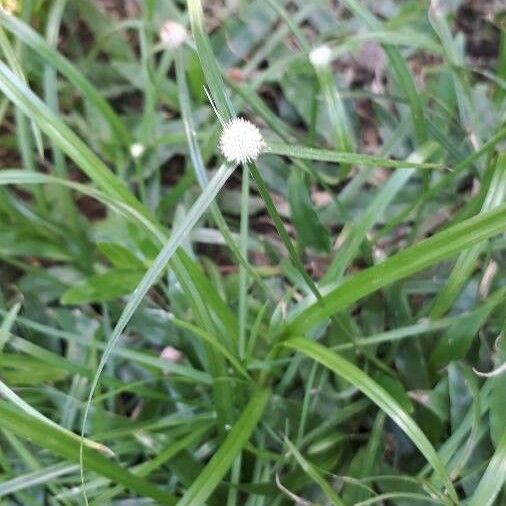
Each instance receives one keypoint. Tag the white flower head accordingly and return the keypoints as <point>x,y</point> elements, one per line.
<point>320,56</point>
<point>173,34</point>
<point>136,149</point>
<point>241,141</point>
<point>171,354</point>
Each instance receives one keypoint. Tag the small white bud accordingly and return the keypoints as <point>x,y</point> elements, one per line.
<point>136,149</point>
<point>320,56</point>
<point>171,354</point>
<point>173,34</point>
<point>241,141</point>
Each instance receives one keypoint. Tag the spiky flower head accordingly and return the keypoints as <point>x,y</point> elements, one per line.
<point>241,141</point>
<point>173,34</point>
<point>320,56</point>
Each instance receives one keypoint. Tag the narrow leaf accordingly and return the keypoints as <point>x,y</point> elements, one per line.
<point>379,396</point>
<point>223,459</point>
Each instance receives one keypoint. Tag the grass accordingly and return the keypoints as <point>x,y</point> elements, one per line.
<point>309,328</point>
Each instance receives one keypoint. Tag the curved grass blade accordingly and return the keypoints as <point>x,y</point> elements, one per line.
<point>466,261</point>
<point>379,396</point>
<point>64,137</point>
<point>30,37</point>
<point>75,148</point>
<point>23,177</point>
<point>12,397</point>
<point>223,459</point>
<point>327,155</point>
<point>70,143</point>
<point>157,267</point>
<point>54,440</point>
<point>413,259</point>
<point>14,64</point>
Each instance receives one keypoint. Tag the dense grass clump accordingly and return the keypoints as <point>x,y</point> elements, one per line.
<point>252,252</point>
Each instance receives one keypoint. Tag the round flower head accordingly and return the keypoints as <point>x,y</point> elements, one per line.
<point>320,56</point>
<point>241,141</point>
<point>171,354</point>
<point>136,149</point>
<point>173,34</point>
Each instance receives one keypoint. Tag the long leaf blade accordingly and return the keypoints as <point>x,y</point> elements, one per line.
<point>57,442</point>
<point>218,466</point>
<point>403,264</point>
<point>379,396</point>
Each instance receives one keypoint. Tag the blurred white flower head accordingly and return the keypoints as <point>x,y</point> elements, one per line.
<point>173,34</point>
<point>320,56</point>
<point>171,354</point>
<point>241,141</point>
<point>136,149</point>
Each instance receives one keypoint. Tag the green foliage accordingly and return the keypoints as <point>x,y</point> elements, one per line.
<point>314,327</point>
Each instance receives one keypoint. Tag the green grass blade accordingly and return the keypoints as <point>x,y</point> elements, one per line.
<point>35,478</point>
<point>492,481</point>
<point>7,323</point>
<point>326,155</point>
<point>54,440</point>
<point>66,205</point>
<point>14,64</point>
<point>379,396</point>
<point>23,177</point>
<point>198,165</point>
<point>314,474</point>
<point>223,459</point>
<point>17,401</point>
<point>338,117</point>
<point>374,212</point>
<point>413,259</point>
<point>280,227</point>
<point>208,61</point>
<point>157,267</point>
<point>466,260</point>
<point>399,68</point>
<point>63,137</point>
<point>146,468</point>
<point>32,39</point>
